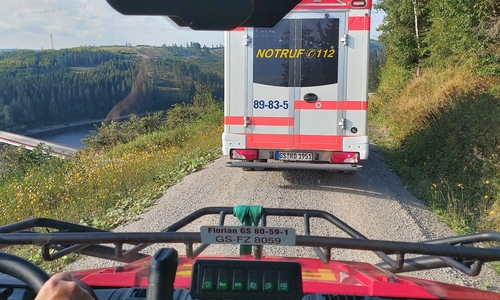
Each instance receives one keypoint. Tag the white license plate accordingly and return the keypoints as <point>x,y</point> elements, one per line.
<point>294,156</point>
<point>245,235</point>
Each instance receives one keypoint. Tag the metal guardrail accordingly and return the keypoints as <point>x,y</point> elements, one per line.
<point>31,143</point>
<point>458,252</point>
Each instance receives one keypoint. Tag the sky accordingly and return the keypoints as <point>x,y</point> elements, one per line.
<point>29,24</point>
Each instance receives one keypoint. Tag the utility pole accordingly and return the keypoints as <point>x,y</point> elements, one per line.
<point>51,41</point>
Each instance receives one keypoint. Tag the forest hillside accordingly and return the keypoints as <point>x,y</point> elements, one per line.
<point>40,88</point>
<point>436,111</point>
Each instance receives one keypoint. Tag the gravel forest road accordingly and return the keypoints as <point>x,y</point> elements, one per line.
<point>372,201</point>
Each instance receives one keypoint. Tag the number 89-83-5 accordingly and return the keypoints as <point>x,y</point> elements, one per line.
<point>270,104</point>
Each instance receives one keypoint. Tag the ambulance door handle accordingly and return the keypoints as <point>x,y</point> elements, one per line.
<point>247,40</point>
<point>342,123</point>
<point>246,122</point>
<point>345,39</point>
<point>310,97</point>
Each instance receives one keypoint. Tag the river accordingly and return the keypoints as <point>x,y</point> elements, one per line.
<point>70,136</point>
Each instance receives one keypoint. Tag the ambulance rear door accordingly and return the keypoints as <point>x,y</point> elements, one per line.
<point>297,74</point>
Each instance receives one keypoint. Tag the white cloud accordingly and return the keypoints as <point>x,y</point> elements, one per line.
<point>29,24</point>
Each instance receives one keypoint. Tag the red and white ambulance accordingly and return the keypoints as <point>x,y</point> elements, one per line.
<point>296,94</point>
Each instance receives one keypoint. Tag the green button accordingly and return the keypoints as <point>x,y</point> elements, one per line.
<point>283,282</point>
<point>222,280</point>
<point>222,285</point>
<point>237,280</point>
<point>253,280</point>
<point>207,279</point>
<point>268,286</point>
<point>283,287</point>
<point>267,282</point>
<point>238,286</point>
<point>207,285</point>
<point>253,286</point>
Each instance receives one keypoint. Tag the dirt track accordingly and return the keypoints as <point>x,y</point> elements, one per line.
<point>372,201</point>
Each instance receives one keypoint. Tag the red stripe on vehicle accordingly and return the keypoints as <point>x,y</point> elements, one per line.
<point>354,105</point>
<point>233,120</point>
<point>276,141</point>
<point>325,4</point>
<point>332,105</point>
<point>325,105</point>
<point>239,29</point>
<point>261,121</point>
<point>295,142</point>
<point>359,23</point>
<point>323,142</point>
<point>271,121</point>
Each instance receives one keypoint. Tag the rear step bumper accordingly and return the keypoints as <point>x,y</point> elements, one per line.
<point>294,165</point>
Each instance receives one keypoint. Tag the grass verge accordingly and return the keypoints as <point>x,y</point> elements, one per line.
<point>439,135</point>
<point>111,181</point>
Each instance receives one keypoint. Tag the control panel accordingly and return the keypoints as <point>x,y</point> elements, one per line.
<point>236,279</point>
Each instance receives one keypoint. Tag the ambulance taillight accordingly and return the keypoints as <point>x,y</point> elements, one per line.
<point>244,154</point>
<point>344,158</point>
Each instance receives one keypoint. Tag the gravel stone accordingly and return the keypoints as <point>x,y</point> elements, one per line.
<point>372,201</point>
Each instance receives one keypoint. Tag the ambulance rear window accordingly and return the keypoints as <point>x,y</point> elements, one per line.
<point>301,52</point>
<point>320,41</point>
<point>271,65</point>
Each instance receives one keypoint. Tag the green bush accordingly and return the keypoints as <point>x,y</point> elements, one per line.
<point>444,144</point>
<point>114,133</point>
<point>18,160</point>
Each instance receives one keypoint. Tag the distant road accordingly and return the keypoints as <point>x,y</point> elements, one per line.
<point>31,143</point>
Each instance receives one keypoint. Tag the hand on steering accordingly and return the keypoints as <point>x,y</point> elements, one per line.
<point>61,287</point>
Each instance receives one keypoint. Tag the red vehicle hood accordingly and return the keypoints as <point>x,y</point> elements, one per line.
<point>336,277</point>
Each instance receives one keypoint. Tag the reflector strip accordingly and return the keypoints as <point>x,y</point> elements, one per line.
<point>295,142</point>
<point>261,121</point>
<point>332,105</point>
<point>359,23</point>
